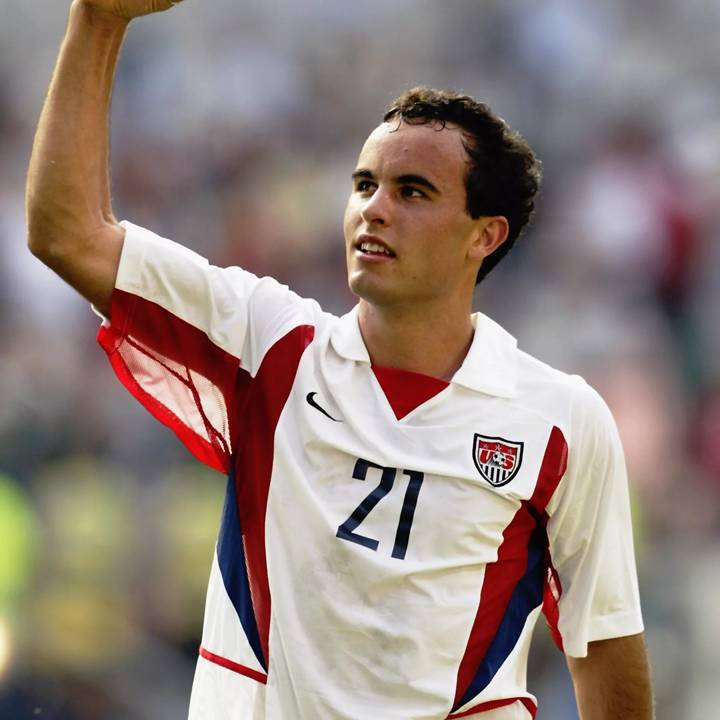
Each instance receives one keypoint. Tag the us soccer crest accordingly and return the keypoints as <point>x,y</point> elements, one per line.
<point>497,460</point>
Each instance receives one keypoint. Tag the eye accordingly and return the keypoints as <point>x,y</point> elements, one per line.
<point>363,186</point>
<point>409,191</point>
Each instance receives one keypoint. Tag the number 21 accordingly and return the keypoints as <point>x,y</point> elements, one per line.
<point>346,530</point>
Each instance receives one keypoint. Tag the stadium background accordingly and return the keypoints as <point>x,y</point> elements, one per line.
<point>235,128</point>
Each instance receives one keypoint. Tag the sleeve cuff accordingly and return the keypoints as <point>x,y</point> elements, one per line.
<point>604,627</point>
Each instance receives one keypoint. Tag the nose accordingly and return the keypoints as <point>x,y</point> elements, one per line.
<point>376,209</point>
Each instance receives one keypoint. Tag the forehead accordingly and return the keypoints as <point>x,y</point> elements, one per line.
<point>432,150</point>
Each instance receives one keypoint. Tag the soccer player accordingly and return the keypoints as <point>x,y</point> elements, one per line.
<point>407,490</point>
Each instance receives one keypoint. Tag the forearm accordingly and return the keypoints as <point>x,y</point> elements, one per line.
<point>68,188</point>
<point>613,681</point>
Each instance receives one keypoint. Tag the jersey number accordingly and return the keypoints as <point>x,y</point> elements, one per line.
<point>346,531</point>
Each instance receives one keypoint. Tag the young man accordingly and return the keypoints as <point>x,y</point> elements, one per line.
<point>406,489</point>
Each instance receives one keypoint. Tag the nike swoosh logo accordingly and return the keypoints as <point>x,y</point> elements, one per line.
<point>310,397</point>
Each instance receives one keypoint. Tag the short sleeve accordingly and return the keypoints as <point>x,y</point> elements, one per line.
<point>186,337</point>
<point>593,589</point>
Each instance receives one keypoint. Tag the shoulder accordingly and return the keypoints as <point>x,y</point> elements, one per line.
<point>592,445</point>
<point>565,399</point>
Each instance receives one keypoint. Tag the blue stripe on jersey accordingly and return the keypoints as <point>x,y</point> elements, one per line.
<point>231,559</point>
<point>527,596</point>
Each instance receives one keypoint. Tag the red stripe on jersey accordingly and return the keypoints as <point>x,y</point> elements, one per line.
<point>145,341</point>
<point>406,390</point>
<point>269,392</point>
<point>551,600</point>
<point>494,704</point>
<point>235,667</point>
<point>502,576</point>
<point>551,471</point>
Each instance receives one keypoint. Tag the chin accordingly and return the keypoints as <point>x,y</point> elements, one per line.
<point>369,289</point>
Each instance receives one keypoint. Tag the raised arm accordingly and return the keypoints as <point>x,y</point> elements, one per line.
<point>71,226</point>
<point>613,681</point>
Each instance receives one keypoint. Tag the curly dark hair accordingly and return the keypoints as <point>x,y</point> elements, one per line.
<point>503,174</point>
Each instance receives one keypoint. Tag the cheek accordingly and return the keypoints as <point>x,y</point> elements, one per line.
<point>350,219</point>
<point>445,247</point>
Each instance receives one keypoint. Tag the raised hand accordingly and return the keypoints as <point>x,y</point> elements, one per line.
<point>129,9</point>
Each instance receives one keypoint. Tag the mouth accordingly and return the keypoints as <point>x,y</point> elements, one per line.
<point>373,246</point>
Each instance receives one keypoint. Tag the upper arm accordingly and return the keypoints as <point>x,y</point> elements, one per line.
<point>613,680</point>
<point>89,264</point>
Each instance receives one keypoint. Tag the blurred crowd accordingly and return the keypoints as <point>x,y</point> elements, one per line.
<point>235,129</point>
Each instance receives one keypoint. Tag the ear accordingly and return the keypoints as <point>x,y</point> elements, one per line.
<point>491,233</point>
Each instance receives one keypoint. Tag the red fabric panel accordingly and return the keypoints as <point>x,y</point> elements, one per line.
<point>502,576</point>
<point>406,390</point>
<point>494,704</point>
<point>156,328</point>
<point>204,451</point>
<point>153,336</point>
<point>551,609</point>
<point>231,665</point>
<point>269,392</point>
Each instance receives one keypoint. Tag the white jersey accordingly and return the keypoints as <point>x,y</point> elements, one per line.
<point>388,539</point>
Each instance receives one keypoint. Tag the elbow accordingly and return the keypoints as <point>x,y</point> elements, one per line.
<point>50,236</point>
<point>40,244</point>
<point>59,225</point>
<point>40,231</point>
<point>52,224</point>
<point>52,246</point>
<point>37,243</point>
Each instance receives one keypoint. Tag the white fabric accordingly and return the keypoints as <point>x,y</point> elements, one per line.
<point>219,301</point>
<point>356,634</point>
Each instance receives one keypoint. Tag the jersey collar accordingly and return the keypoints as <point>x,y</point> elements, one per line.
<point>491,363</point>
<point>489,367</point>
<point>347,339</point>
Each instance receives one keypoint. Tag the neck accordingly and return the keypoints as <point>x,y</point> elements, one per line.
<point>427,342</point>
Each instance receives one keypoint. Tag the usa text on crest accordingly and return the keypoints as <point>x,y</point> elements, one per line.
<point>497,460</point>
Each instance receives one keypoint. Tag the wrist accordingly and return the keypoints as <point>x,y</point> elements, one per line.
<point>103,21</point>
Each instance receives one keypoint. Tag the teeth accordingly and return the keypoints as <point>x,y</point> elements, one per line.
<point>373,247</point>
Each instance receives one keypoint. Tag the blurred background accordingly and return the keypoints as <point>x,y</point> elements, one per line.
<point>235,129</point>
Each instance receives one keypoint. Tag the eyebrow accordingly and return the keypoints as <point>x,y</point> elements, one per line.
<point>407,179</point>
